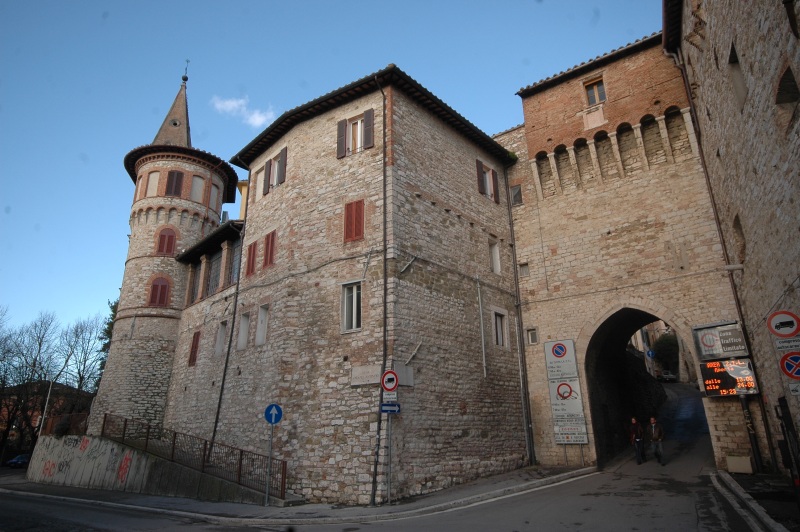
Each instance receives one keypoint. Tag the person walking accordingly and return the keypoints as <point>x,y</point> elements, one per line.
<point>656,435</point>
<point>636,433</point>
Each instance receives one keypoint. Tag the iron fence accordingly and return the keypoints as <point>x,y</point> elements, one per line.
<point>217,459</point>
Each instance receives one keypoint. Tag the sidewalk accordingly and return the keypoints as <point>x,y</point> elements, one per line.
<point>768,497</point>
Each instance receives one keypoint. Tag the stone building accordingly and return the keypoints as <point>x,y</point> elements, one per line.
<point>376,236</point>
<point>382,230</point>
<point>741,62</point>
<point>614,229</point>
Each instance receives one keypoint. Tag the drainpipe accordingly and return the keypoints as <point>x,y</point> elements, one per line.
<point>480,321</point>
<point>676,57</point>
<point>385,306</point>
<point>523,367</point>
<point>233,317</point>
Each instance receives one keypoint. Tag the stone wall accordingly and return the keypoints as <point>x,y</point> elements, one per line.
<point>751,146</point>
<point>627,229</point>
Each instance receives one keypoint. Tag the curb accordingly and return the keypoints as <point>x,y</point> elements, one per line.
<point>363,518</point>
<point>745,498</point>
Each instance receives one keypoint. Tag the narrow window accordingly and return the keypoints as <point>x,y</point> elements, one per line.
<point>269,249</point>
<point>354,221</point>
<point>595,92</point>
<point>213,201</point>
<point>261,325</point>
<point>159,293</point>
<point>787,98</point>
<point>195,347</point>
<point>234,262</point>
<point>195,283</point>
<point>198,186</point>
<point>174,183</point>
<point>499,327</point>
<point>258,180</point>
<point>737,78</point>
<point>222,337</point>
<point>214,267</point>
<point>152,184</point>
<point>137,193</point>
<point>351,306</point>
<point>166,242</point>
<point>494,256</point>
<point>533,335</point>
<point>267,177</point>
<point>488,184</point>
<point>244,331</point>
<point>355,134</point>
<point>524,270</point>
<point>252,249</point>
<point>516,195</point>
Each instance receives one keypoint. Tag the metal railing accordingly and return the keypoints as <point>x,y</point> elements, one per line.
<point>217,459</point>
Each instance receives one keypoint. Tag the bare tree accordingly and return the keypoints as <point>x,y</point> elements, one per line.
<point>34,361</point>
<point>81,345</point>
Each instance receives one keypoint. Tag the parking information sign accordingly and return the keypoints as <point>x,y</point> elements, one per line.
<point>560,359</point>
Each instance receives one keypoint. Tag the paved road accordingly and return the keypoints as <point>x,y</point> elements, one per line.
<point>624,496</point>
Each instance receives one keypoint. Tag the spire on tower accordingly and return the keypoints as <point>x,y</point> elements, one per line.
<point>175,129</point>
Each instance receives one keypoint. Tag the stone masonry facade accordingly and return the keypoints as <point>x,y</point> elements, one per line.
<point>742,64</point>
<point>382,230</point>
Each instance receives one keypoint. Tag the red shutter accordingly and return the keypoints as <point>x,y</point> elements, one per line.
<point>481,184</point>
<point>267,173</point>
<point>194,349</point>
<point>495,187</point>
<point>159,293</point>
<point>341,139</point>
<point>369,137</point>
<point>269,249</point>
<point>354,221</point>
<point>166,242</point>
<point>280,177</point>
<point>251,258</point>
<point>358,222</point>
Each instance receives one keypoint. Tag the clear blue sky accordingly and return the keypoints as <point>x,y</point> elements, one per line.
<point>84,82</point>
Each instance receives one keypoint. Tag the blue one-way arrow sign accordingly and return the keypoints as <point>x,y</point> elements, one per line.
<point>273,414</point>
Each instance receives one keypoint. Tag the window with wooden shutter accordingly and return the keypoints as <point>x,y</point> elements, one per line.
<point>159,293</point>
<point>269,249</point>
<point>267,174</point>
<point>354,221</point>
<point>252,249</point>
<point>481,177</point>
<point>488,184</point>
<point>280,175</point>
<point>166,242</point>
<point>355,134</point>
<point>174,183</point>
<point>194,349</point>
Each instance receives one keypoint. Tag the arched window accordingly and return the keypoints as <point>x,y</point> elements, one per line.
<point>159,292</point>
<point>166,242</point>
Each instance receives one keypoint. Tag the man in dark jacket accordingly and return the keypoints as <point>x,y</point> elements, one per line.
<point>636,433</point>
<point>656,436</point>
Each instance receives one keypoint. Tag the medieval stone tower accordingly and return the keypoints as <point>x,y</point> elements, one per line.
<point>177,201</point>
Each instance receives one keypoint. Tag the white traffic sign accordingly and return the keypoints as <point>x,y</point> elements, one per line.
<point>565,399</point>
<point>390,397</point>
<point>560,359</point>
<point>783,324</point>
<point>389,381</point>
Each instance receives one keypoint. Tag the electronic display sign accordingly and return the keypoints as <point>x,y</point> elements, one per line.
<point>722,378</point>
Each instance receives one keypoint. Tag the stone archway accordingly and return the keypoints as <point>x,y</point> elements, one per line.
<point>617,382</point>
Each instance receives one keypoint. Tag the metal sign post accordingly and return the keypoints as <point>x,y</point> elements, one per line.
<point>273,415</point>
